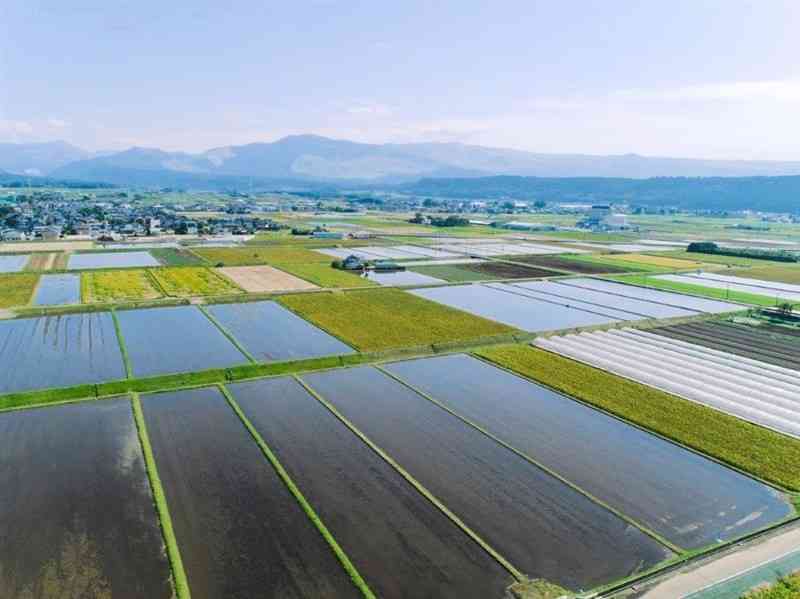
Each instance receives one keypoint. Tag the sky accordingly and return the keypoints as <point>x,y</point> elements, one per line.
<point>688,78</point>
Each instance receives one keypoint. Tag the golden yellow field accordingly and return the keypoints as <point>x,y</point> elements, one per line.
<point>117,286</point>
<point>191,281</point>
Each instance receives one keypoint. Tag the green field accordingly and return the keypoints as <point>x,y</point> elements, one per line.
<point>781,273</point>
<point>326,276</point>
<point>452,273</point>
<point>786,588</point>
<point>117,285</point>
<point>712,292</point>
<point>717,258</point>
<point>381,319</point>
<point>616,263</point>
<point>254,255</point>
<point>17,289</point>
<point>176,257</point>
<point>188,281</point>
<point>762,452</point>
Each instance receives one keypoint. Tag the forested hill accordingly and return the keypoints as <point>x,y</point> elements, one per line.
<point>777,194</point>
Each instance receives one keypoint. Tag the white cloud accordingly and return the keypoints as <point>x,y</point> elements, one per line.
<point>370,109</point>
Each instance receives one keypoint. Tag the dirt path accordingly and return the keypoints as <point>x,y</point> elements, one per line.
<point>702,580</point>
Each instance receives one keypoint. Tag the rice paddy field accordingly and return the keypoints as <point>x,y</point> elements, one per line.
<point>253,255</point>
<point>110,260</point>
<point>777,273</point>
<point>176,257</point>
<point>264,279</point>
<point>382,319</point>
<point>189,281</point>
<point>655,260</point>
<point>452,273</point>
<point>402,278</point>
<point>54,290</point>
<point>698,287</point>
<point>571,263</point>
<point>111,286</point>
<point>13,262</point>
<point>17,289</point>
<point>323,275</point>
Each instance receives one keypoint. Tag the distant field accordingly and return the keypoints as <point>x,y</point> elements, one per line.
<point>387,318</point>
<point>762,452</point>
<point>116,286</point>
<point>713,292</point>
<point>176,257</point>
<point>16,289</point>
<point>324,275</point>
<point>781,273</point>
<point>42,261</point>
<point>254,255</point>
<point>452,273</point>
<point>570,264</point>
<point>187,281</point>
<point>614,261</point>
<point>717,259</point>
<point>660,261</point>
<point>502,270</point>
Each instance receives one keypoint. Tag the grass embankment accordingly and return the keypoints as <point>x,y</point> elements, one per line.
<point>176,257</point>
<point>451,273</point>
<point>351,570</point>
<point>787,587</point>
<point>254,255</point>
<point>188,281</point>
<point>324,275</point>
<point>711,292</point>
<point>538,589</point>
<point>160,499</point>
<point>380,319</point>
<point>117,286</point>
<point>763,453</point>
<point>16,289</point>
<point>778,273</point>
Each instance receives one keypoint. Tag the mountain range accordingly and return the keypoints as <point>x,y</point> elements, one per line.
<point>315,159</point>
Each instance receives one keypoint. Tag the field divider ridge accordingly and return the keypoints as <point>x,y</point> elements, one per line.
<point>160,499</point>
<point>230,336</point>
<point>123,348</point>
<point>516,573</point>
<point>343,558</point>
<point>156,283</point>
<point>654,535</point>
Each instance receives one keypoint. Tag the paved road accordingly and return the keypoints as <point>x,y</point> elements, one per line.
<point>733,573</point>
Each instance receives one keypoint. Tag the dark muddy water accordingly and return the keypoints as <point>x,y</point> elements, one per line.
<point>689,499</point>
<point>401,543</point>
<point>542,526</point>
<point>240,531</point>
<point>76,515</point>
<point>272,333</point>
<point>58,351</point>
<point>182,339</point>
<point>58,289</point>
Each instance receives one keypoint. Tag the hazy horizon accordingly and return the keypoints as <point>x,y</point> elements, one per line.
<point>687,79</point>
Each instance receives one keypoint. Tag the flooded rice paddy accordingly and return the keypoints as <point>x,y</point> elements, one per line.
<point>77,519</point>
<point>240,531</point>
<point>58,289</point>
<point>181,339</point>
<point>650,479</point>
<point>13,263</point>
<point>111,260</point>
<point>58,351</point>
<point>401,543</point>
<point>270,332</point>
<point>544,527</point>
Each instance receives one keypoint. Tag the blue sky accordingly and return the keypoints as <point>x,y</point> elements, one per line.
<point>697,78</point>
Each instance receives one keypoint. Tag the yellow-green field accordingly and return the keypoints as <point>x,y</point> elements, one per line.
<point>662,261</point>
<point>380,319</point>
<point>192,280</point>
<point>781,273</point>
<point>117,286</point>
<point>253,255</point>
<point>16,289</point>
<point>324,275</point>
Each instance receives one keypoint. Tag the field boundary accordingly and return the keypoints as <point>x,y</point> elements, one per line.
<point>123,348</point>
<point>312,515</point>
<point>651,533</point>
<point>415,483</point>
<point>160,500</point>
<point>230,336</point>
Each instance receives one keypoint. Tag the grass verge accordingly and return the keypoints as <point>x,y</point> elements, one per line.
<point>123,349</point>
<point>160,499</point>
<point>763,453</point>
<point>351,570</point>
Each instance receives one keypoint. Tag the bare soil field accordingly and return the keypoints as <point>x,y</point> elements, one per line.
<point>259,279</point>
<point>564,263</point>
<point>502,270</point>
